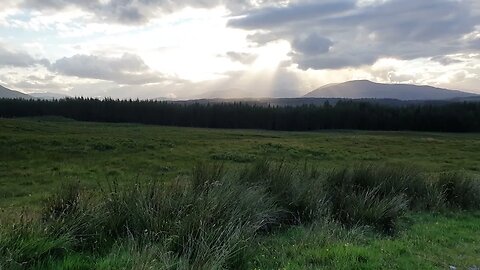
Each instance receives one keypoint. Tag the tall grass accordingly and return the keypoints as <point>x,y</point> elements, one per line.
<point>137,256</point>
<point>378,195</point>
<point>204,222</point>
<point>460,190</point>
<point>64,202</point>
<point>207,220</point>
<point>24,244</point>
<point>387,181</point>
<point>299,193</point>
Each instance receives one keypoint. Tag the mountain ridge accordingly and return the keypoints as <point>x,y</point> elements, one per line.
<point>360,89</point>
<point>49,95</point>
<point>8,93</point>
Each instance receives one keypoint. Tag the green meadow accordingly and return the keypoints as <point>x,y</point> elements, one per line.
<point>41,157</point>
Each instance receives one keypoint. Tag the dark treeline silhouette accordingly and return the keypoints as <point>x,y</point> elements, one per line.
<point>451,117</point>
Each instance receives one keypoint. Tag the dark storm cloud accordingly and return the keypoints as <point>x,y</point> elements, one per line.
<point>127,69</point>
<point>328,34</point>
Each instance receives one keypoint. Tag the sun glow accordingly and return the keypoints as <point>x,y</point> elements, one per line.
<point>258,79</point>
<point>271,56</point>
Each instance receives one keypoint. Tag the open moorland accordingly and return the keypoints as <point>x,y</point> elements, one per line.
<point>78,195</point>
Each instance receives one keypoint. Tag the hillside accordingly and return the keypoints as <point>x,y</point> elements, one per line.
<point>49,95</point>
<point>368,89</point>
<point>7,93</point>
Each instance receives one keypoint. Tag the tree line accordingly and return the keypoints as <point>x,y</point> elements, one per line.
<point>346,114</point>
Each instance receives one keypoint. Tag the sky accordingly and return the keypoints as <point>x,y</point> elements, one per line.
<point>243,48</point>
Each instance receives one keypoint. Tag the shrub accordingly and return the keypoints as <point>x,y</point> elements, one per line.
<point>459,190</point>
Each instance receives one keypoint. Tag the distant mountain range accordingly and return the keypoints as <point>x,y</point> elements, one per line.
<point>360,90</point>
<point>367,89</point>
<point>48,95</point>
<point>8,93</point>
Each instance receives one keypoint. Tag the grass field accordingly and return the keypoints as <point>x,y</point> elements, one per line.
<point>38,155</point>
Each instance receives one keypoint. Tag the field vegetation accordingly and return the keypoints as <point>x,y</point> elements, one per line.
<point>121,196</point>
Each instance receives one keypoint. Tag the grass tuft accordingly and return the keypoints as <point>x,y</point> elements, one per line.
<point>460,190</point>
<point>64,202</point>
<point>208,220</point>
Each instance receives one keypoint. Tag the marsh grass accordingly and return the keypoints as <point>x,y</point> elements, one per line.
<point>208,220</point>
<point>460,190</point>
<point>24,244</point>
<point>204,222</point>
<point>299,193</point>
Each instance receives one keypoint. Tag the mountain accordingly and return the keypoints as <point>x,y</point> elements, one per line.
<point>49,95</point>
<point>367,89</point>
<point>7,93</point>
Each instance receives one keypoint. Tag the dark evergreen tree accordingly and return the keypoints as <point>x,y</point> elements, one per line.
<point>448,117</point>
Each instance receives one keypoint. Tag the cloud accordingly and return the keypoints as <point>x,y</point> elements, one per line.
<point>273,17</point>
<point>312,44</point>
<point>347,33</point>
<point>325,41</point>
<point>138,11</point>
<point>18,59</point>
<point>122,11</point>
<point>127,69</point>
<point>242,57</point>
<point>445,60</point>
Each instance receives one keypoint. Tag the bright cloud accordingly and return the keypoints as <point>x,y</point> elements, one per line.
<point>189,49</point>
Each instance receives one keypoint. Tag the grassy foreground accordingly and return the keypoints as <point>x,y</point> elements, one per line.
<point>274,216</point>
<point>36,155</point>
